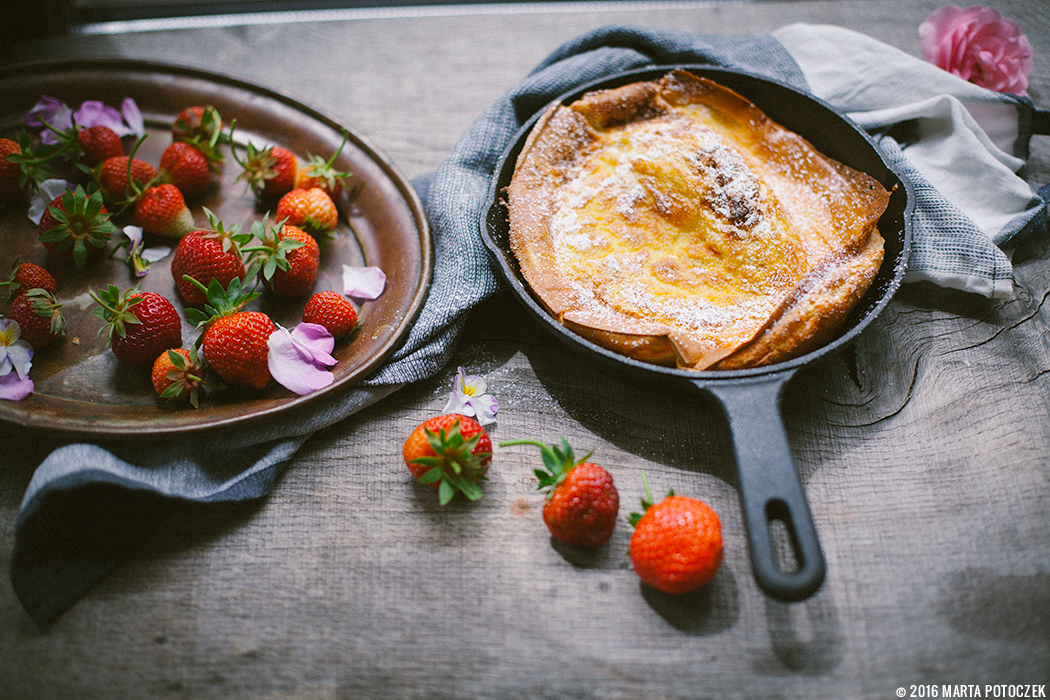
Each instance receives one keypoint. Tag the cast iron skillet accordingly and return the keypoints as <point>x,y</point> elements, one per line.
<point>770,490</point>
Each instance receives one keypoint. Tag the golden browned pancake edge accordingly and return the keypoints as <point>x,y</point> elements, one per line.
<point>673,222</point>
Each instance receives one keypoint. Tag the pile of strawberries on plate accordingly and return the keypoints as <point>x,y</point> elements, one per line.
<point>216,270</point>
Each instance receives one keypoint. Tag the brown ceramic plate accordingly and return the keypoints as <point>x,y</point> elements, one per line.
<point>80,387</point>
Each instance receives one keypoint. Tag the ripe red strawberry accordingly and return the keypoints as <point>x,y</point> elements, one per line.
<point>140,325</point>
<point>677,543</point>
<point>162,211</point>
<point>121,178</point>
<point>582,501</point>
<point>207,254</point>
<point>451,453</point>
<point>270,171</point>
<point>27,275</point>
<point>98,144</point>
<point>179,375</point>
<point>235,343</point>
<point>76,226</point>
<point>286,260</point>
<point>197,124</point>
<point>333,311</point>
<point>10,172</point>
<point>38,315</point>
<point>318,172</point>
<point>311,210</point>
<point>185,166</point>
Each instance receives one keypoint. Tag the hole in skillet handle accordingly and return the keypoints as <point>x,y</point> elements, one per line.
<point>773,501</point>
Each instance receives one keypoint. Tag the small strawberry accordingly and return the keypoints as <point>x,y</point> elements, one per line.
<point>322,173</point>
<point>311,210</point>
<point>677,543</point>
<point>98,144</point>
<point>200,125</point>
<point>451,453</point>
<point>185,166</point>
<point>27,275</point>
<point>207,254</point>
<point>76,226</point>
<point>287,258</point>
<point>333,311</point>
<point>234,343</point>
<point>162,211</point>
<point>269,171</point>
<point>179,375</point>
<point>38,315</point>
<point>11,187</point>
<point>140,325</point>
<point>121,178</point>
<point>582,501</point>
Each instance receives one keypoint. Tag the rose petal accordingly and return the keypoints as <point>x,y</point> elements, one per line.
<point>315,342</point>
<point>15,388</point>
<point>363,282</point>
<point>129,109</point>
<point>97,113</point>
<point>293,369</point>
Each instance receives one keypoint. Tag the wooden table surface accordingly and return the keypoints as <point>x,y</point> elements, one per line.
<point>924,450</point>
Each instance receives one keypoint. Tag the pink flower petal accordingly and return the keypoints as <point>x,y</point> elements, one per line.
<point>15,388</point>
<point>129,109</point>
<point>298,360</point>
<point>96,113</point>
<point>363,282</point>
<point>53,111</point>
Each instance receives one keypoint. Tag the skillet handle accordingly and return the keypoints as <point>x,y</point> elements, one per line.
<point>770,490</point>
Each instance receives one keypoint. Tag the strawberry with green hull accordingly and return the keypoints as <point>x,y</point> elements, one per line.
<point>450,452</point>
<point>311,210</point>
<point>206,254</point>
<point>318,172</point>
<point>180,374</point>
<point>234,342</point>
<point>333,311</point>
<point>161,211</point>
<point>38,314</point>
<point>582,501</point>
<point>677,543</point>
<point>122,178</point>
<point>201,126</point>
<point>76,226</point>
<point>26,275</point>
<point>139,325</point>
<point>269,171</point>
<point>287,258</point>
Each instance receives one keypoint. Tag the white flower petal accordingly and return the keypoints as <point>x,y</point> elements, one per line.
<point>49,191</point>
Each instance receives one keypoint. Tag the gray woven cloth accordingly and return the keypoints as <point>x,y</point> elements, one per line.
<point>89,505</point>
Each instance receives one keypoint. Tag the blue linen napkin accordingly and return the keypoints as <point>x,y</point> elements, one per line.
<point>89,505</point>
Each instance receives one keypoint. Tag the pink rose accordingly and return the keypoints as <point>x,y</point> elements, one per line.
<point>978,45</point>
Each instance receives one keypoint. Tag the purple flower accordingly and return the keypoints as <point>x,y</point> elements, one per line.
<point>53,113</point>
<point>978,45</point>
<point>139,256</point>
<point>16,357</point>
<point>468,398</point>
<point>299,359</point>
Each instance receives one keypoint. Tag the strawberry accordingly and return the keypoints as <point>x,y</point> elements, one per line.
<point>121,178</point>
<point>38,315</point>
<point>76,226</point>
<point>185,166</point>
<point>287,259</point>
<point>179,375</point>
<point>11,188</point>
<point>200,125</point>
<point>161,211</point>
<point>206,254</point>
<point>311,210</point>
<point>451,453</point>
<point>140,325</point>
<point>234,343</point>
<point>333,311</point>
<point>582,501</point>
<point>27,275</point>
<point>270,171</point>
<point>677,543</point>
<point>98,144</point>
<point>322,173</point>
